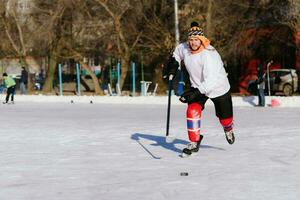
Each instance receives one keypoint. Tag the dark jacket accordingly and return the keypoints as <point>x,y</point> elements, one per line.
<point>24,76</point>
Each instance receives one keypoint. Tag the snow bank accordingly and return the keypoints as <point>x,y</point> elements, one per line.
<point>237,100</point>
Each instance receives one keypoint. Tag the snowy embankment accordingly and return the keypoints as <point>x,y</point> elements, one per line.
<point>293,101</point>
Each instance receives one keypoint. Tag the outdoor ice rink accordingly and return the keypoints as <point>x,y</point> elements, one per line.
<point>103,151</point>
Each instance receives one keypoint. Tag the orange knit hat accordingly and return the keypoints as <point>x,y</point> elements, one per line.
<point>196,31</point>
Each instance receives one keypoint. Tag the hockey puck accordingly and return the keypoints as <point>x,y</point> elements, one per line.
<point>184,173</point>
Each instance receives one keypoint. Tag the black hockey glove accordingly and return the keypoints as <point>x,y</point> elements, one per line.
<point>170,68</point>
<point>191,95</point>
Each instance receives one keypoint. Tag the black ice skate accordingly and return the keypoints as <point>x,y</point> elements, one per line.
<point>192,147</point>
<point>229,136</point>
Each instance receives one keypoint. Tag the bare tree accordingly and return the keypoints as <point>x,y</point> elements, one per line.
<point>68,33</point>
<point>48,15</point>
<point>125,30</point>
<point>18,30</point>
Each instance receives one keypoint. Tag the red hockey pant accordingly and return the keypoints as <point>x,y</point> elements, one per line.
<point>193,117</point>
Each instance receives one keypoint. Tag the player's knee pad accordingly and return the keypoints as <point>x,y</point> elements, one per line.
<point>227,123</point>
<point>193,117</point>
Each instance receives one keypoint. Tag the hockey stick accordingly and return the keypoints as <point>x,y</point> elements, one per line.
<point>168,138</point>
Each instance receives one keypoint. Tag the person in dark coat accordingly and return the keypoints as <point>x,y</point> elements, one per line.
<point>23,81</point>
<point>260,85</point>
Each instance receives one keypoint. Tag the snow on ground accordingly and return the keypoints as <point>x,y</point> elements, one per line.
<point>115,148</point>
<point>293,101</point>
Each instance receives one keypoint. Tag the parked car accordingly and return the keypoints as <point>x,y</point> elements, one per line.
<point>284,81</point>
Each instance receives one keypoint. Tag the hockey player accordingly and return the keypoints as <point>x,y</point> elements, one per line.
<point>10,84</point>
<point>208,80</point>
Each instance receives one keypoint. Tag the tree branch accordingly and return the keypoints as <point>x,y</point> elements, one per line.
<point>6,27</point>
<point>20,33</point>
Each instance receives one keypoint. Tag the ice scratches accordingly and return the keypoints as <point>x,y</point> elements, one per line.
<point>279,161</point>
<point>16,185</point>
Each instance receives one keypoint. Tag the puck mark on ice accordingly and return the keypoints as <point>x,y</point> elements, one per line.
<point>184,173</point>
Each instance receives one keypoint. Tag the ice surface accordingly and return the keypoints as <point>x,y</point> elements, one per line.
<point>106,151</point>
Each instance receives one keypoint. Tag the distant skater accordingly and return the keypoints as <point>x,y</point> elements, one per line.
<point>10,84</point>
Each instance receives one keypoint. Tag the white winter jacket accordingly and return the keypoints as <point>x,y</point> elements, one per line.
<point>205,69</point>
